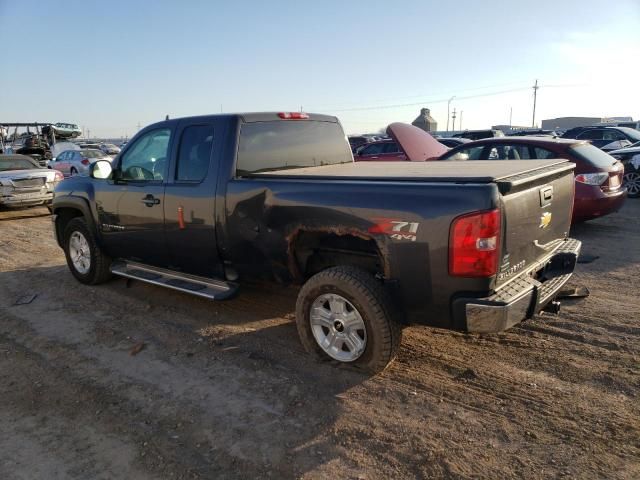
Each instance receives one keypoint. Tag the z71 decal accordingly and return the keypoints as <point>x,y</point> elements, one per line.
<point>396,229</point>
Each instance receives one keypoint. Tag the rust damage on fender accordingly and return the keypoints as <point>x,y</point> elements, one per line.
<point>295,243</point>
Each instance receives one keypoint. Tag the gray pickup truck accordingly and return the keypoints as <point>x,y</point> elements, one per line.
<point>203,204</point>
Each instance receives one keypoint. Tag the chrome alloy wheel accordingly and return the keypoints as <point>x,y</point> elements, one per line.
<point>338,327</point>
<point>632,181</point>
<point>80,252</point>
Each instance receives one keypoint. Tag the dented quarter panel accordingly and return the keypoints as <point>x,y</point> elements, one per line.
<point>264,216</point>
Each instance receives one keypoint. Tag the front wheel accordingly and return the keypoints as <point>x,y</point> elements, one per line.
<point>87,262</point>
<point>344,314</point>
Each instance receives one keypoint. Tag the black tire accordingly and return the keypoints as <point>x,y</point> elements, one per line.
<point>367,295</point>
<point>73,171</point>
<point>632,175</point>
<point>100,264</point>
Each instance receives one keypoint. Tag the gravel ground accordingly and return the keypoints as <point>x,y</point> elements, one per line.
<point>136,381</point>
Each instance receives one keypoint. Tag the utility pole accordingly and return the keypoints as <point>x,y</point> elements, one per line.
<point>454,119</point>
<point>460,126</point>
<point>448,105</point>
<point>510,116</point>
<point>535,98</point>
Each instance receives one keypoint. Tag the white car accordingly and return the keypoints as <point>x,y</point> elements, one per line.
<point>23,183</point>
<point>77,162</point>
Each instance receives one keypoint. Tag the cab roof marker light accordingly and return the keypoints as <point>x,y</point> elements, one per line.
<point>293,115</point>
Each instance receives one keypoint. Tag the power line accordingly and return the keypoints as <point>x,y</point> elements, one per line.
<point>423,96</point>
<point>431,102</point>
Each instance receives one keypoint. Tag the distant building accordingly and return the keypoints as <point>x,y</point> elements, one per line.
<point>510,128</point>
<point>425,121</point>
<point>565,123</point>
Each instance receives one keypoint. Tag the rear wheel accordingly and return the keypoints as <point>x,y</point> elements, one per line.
<point>344,314</point>
<point>87,262</point>
<point>631,180</point>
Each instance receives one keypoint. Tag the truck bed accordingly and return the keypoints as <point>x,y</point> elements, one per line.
<point>508,174</point>
<point>481,171</point>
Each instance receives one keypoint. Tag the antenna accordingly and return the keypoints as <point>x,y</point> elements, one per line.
<point>535,98</point>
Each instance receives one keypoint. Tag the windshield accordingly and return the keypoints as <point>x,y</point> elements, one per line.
<point>92,153</point>
<point>16,164</point>
<point>593,155</point>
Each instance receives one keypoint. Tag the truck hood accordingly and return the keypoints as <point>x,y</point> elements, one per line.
<point>416,144</point>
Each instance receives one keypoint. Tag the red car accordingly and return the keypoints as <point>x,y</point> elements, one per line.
<point>599,190</point>
<point>424,146</point>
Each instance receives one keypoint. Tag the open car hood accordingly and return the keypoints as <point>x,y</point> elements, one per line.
<point>416,144</point>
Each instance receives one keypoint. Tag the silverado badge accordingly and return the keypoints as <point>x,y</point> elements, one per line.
<point>545,219</point>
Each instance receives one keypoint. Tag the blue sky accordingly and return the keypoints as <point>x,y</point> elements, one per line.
<point>109,65</point>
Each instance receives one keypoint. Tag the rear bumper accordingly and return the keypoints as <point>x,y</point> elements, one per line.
<point>597,203</point>
<point>521,298</point>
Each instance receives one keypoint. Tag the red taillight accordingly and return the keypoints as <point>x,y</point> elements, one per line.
<point>474,244</point>
<point>58,176</point>
<point>85,161</point>
<point>293,115</point>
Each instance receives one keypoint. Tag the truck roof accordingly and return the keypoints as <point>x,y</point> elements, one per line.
<point>250,117</point>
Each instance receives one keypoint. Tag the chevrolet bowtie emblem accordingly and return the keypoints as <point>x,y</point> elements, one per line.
<point>545,219</point>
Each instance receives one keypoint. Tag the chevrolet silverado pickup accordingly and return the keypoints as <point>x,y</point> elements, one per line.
<point>203,204</point>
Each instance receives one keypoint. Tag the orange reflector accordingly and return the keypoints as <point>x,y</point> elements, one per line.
<point>181,218</point>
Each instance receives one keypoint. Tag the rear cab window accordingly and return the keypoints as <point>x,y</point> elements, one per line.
<point>287,144</point>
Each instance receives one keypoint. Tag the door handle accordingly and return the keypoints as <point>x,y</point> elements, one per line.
<point>150,200</point>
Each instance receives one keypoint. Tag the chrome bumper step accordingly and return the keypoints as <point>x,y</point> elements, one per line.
<point>183,282</point>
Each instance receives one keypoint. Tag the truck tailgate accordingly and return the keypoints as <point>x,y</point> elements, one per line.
<point>537,208</point>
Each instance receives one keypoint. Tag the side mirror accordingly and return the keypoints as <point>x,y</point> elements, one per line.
<point>101,170</point>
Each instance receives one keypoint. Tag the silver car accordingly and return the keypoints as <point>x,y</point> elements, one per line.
<point>77,162</point>
<point>23,183</point>
<point>110,149</point>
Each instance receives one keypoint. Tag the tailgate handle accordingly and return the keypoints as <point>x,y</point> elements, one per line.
<point>546,196</point>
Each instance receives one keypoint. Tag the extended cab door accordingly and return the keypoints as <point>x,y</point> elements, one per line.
<point>131,205</point>
<point>190,199</point>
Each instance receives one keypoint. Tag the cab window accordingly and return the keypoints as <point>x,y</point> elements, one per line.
<point>194,153</point>
<point>146,160</point>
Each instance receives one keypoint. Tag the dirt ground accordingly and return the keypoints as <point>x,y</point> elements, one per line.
<point>224,390</point>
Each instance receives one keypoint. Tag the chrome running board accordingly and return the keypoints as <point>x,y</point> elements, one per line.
<point>183,282</point>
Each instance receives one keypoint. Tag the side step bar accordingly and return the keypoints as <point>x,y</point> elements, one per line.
<point>183,282</point>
